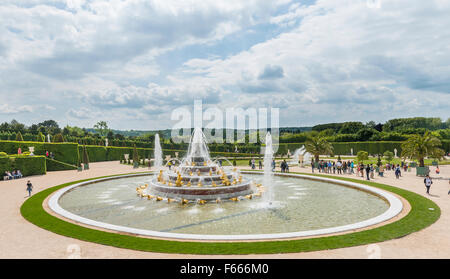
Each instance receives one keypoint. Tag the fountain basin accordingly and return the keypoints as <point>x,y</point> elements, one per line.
<point>323,206</point>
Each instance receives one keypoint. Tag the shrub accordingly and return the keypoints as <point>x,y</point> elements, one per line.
<point>19,136</point>
<point>85,156</point>
<point>362,155</point>
<point>58,138</point>
<point>388,155</point>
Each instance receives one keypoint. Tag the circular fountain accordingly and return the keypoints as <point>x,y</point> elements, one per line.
<point>293,205</point>
<point>198,178</point>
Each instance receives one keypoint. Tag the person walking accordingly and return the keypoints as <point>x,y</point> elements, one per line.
<point>368,171</point>
<point>260,164</point>
<point>29,187</point>
<point>427,181</point>
<point>397,172</point>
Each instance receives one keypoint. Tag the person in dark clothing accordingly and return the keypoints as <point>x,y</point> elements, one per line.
<point>29,187</point>
<point>368,171</point>
<point>397,172</point>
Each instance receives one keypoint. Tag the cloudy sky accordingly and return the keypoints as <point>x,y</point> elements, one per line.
<point>131,63</point>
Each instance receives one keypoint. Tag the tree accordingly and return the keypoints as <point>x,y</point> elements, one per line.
<point>366,133</point>
<point>418,147</point>
<point>19,136</point>
<point>362,155</point>
<point>388,155</point>
<point>318,145</point>
<point>102,128</point>
<point>110,135</point>
<point>17,127</point>
<point>379,160</point>
<point>50,127</point>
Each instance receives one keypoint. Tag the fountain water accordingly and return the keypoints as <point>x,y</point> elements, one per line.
<point>158,153</point>
<point>268,175</point>
<point>306,157</point>
<point>197,178</point>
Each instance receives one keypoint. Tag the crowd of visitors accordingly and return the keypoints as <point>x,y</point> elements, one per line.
<point>349,167</point>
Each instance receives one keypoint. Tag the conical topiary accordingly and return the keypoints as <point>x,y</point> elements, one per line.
<point>135,157</point>
<point>19,136</point>
<point>40,137</point>
<point>58,138</point>
<point>80,168</point>
<point>85,158</point>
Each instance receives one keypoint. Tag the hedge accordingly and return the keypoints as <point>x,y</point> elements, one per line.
<point>344,148</point>
<point>64,152</point>
<point>112,153</point>
<point>28,165</point>
<point>54,165</point>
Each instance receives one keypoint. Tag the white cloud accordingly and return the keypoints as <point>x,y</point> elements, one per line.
<point>324,62</point>
<point>11,109</point>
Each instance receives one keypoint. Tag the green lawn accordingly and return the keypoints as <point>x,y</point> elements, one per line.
<point>418,218</point>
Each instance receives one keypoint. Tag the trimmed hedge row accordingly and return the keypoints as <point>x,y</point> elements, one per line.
<point>28,165</point>
<point>112,153</point>
<point>344,148</point>
<point>372,147</point>
<point>64,152</point>
<point>54,165</point>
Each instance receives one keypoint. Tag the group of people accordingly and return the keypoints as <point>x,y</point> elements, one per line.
<point>12,175</point>
<point>284,166</point>
<point>338,167</point>
<point>349,167</point>
<point>252,164</point>
<point>49,155</point>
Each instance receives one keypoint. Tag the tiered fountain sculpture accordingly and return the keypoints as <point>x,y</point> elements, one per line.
<point>198,179</point>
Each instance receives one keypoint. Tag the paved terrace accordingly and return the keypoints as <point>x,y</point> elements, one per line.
<point>21,239</point>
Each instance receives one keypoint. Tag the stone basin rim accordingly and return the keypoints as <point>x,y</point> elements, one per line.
<point>395,207</point>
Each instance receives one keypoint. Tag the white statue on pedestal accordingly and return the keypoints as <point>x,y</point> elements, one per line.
<point>31,149</point>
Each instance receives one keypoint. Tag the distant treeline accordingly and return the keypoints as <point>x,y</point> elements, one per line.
<point>392,130</point>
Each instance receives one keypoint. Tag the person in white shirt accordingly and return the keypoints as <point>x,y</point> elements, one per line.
<point>428,183</point>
